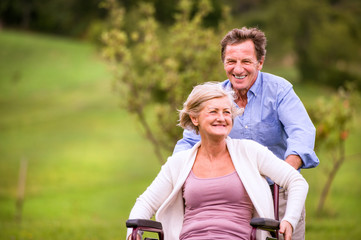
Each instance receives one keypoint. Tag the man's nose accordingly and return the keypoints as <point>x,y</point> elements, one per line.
<point>238,68</point>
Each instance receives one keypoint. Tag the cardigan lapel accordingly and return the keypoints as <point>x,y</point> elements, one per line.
<point>255,185</point>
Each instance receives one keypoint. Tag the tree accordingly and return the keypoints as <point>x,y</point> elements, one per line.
<point>155,69</point>
<point>333,119</point>
<point>324,35</point>
<point>64,17</point>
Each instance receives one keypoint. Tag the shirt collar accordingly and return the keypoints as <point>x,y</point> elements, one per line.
<point>254,89</point>
<point>256,85</point>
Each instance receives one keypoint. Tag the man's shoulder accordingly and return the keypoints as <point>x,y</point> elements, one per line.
<point>183,154</point>
<point>274,85</point>
<point>226,84</point>
<point>269,78</point>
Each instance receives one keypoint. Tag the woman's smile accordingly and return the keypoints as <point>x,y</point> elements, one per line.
<point>215,119</point>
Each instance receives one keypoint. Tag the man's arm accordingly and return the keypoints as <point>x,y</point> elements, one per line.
<point>300,131</point>
<point>295,161</point>
<point>190,138</point>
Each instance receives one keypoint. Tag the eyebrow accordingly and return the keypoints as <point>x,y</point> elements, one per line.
<point>229,59</point>
<point>218,108</point>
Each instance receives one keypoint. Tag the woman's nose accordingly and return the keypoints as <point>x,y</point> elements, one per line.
<point>220,117</point>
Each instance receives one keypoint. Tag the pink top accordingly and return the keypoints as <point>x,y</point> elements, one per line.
<point>216,208</point>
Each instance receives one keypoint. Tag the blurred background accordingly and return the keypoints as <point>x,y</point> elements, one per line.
<point>89,92</point>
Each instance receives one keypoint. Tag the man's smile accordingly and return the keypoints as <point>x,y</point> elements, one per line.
<point>239,77</point>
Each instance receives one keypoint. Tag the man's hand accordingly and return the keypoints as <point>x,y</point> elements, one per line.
<point>286,229</point>
<point>295,161</point>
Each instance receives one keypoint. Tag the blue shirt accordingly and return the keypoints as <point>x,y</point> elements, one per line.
<point>274,117</point>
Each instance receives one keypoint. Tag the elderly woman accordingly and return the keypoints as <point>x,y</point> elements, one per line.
<point>214,189</point>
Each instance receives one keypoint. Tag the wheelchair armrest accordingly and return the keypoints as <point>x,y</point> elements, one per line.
<point>146,225</point>
<point>266,224</point>
<point>135,223</point>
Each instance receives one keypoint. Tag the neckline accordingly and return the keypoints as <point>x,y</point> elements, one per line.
<point>212,178</point>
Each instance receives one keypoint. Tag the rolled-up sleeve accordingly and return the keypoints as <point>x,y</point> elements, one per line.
<point>299,128</point>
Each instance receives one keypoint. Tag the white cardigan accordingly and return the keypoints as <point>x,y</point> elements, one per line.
<point>252,162</point>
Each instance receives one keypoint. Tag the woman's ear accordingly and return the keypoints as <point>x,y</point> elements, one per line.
<point>194,120</point>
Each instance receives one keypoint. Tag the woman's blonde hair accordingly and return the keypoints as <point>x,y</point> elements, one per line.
<point>196,99</point>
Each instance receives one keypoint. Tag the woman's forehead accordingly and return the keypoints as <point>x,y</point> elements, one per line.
<point>223,102</point>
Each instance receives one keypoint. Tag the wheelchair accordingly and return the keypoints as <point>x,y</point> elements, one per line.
<point>265,224</point>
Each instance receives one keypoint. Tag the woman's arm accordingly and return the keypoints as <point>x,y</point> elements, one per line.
<point>287,177</point>
<point>286,229</point>
<point>149,202</point>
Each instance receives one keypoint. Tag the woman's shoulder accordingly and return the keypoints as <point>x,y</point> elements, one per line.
<point>180,155</point>
<point>249,149</point>
<point>244,143</point>
<point>183,156</point>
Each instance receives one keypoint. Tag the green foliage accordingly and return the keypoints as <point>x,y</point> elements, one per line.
<point>157,69</point>
<point>65,17</point>
<point>87,162</point>
<point>333,119</point>
<point>324,35</point>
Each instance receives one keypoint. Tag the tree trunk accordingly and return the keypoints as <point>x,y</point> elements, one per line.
<point>331,176</point>
<point>149,134</point>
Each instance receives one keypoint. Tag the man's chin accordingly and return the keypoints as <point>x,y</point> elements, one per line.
<point>238,85</point>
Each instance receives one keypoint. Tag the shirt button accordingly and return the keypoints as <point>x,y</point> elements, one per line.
<point>246,126</point>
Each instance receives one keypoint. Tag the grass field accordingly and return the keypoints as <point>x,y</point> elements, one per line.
<point>87,160</point>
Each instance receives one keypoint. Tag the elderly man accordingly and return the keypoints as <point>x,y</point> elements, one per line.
<point>274,116</point>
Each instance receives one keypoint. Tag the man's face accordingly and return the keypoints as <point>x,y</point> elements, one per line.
<point>241,65</point>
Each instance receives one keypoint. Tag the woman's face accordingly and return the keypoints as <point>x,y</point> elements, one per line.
<point>215,119</point>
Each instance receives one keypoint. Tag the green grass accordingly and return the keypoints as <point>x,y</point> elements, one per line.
<point>87,160</point>
<point>58,111</point>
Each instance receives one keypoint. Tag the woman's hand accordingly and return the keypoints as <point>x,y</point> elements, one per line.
<point>138,237</point>
<point>286,229</point>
